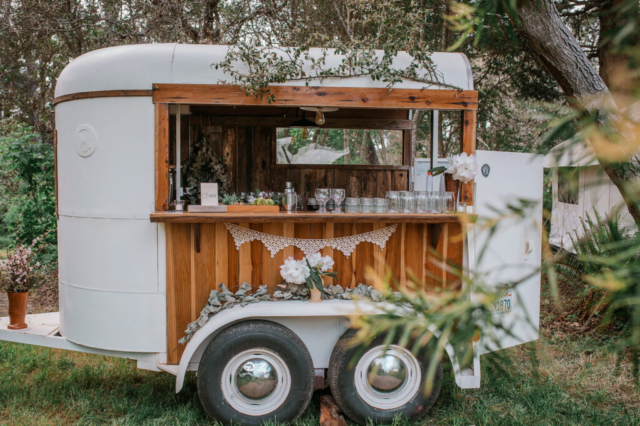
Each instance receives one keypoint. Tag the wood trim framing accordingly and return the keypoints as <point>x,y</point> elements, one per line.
<point>102,94</point>
<point>468,145</point>
<point>162,156</point>
<point>339,166</point>
<point>331,123</point>
<point>406,148</point>
<point>340,97</point>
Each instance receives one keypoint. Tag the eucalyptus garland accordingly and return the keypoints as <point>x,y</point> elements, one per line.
<point>222,299</point>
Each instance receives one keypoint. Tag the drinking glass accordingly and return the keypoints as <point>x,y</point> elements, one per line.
<point>379,205</point>
<point>322,195</point>
<point>462,207</point>
<point>337,194</point>
<point>421,201</point>
<point>393,205</point>
<point>431,201</point>
<point>450,202</point>
<point>352,205</point>
<point>407,202</point>
<point>437,202</point>
<point>366,205</point>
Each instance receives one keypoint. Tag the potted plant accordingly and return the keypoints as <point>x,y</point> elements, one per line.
<point>19,274</point>
<point>309,271</point>
<point>256,202</point>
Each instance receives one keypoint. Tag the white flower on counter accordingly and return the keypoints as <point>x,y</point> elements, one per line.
<point>322,263</point>
<point>295,271</point>
<point>314,259</point>
<point>326,263</point>
<point>463,167</point>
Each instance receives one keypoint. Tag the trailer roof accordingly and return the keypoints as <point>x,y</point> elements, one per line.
<point>137,67</point>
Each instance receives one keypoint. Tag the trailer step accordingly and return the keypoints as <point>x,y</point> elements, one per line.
<point>39,326</point>
<point>44,330</point>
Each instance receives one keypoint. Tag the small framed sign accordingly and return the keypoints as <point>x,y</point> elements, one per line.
<point>209,194</point>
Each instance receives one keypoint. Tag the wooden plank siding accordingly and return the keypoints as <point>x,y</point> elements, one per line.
<point>191,275</point>
<point>249,157</point>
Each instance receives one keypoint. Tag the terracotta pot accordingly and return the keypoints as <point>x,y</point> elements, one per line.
<point>17,310</point>
<point>316,295</point>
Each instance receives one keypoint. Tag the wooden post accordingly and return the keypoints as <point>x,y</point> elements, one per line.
<point>468,145</point>
<point>162,156</point>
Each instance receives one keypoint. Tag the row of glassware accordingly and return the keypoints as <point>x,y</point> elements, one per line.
<point>404,202</point>
<point>394,202</point>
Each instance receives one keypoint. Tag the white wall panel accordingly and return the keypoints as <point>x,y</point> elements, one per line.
<point>114,321</point>
<point>108,254</point>
<point>117,180</point>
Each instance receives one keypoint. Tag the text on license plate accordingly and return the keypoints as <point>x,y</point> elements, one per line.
<point>502,305</point>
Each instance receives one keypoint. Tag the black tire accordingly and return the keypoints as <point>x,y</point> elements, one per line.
<point>342,369</point>
<point>258,335</point>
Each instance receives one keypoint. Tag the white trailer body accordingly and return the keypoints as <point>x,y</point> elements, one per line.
<point>112,259</point>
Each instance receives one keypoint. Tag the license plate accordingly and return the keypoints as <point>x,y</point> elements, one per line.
<point>503,305</point>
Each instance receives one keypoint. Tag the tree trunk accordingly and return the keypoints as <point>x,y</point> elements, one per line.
<point>612,60</point>
<point>324,137</point>
<point>316,135</point>
<point>346,144</point>
<point>539,24</point>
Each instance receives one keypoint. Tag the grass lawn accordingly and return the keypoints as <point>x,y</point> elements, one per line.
<point>559,380</point>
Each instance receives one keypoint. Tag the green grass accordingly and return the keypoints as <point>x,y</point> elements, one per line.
<point>557,381</point>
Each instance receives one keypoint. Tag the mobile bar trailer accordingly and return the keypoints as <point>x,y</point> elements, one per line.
<point>132,276</point>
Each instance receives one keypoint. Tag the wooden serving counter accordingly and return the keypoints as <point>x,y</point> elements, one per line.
<point>310,217</point>
<point>426,249</point>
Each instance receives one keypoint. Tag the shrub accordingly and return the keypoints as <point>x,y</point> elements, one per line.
<point>28,193</point>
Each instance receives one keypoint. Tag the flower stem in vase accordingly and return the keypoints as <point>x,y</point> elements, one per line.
<point>316,295</point>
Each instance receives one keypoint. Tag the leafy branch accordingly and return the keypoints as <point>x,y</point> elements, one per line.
<point>273,65</point>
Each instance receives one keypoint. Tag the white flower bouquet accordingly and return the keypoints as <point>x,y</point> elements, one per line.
<point>309,270</point>
<point>463,167</point>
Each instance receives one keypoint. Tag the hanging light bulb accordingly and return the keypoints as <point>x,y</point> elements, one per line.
<point>305,133</point>
<point>320,117</point>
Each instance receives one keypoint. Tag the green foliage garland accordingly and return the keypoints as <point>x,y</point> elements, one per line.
<point>205,166</point>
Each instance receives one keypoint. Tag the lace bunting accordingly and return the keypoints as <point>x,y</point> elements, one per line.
<point>275,243</point>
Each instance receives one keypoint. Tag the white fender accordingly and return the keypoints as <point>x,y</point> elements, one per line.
<point>282,309</point>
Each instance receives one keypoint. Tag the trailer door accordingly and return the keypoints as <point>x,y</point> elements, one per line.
<point>510,259</point>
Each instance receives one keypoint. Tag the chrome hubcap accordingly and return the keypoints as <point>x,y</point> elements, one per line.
<point>256,382</point>
<point>256,379</point>
<point>387,373</point>
<point>387,377</point>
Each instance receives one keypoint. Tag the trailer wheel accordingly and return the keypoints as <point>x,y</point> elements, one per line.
<point>255,372</point>
<point>380,384</point>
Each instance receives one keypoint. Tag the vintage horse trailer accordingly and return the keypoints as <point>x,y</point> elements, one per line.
<point>132,276</point>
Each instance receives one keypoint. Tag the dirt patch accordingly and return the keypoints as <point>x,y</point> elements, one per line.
<point>43,299</point>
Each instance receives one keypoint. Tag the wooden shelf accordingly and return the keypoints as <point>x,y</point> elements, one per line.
<point>309,217</point>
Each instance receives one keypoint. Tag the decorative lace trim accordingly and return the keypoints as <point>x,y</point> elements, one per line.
<point>275,243</point>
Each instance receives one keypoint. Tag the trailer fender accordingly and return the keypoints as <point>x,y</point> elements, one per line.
<point>284,309</point>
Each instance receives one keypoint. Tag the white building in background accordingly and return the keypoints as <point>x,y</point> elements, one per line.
<point>580,188</point>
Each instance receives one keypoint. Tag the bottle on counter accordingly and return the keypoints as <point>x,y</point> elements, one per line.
<point>289,198</point>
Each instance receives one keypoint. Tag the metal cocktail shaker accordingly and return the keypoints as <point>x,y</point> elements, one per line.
<point>290,199</point>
